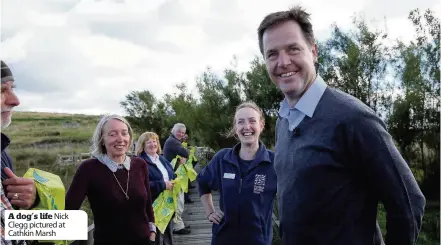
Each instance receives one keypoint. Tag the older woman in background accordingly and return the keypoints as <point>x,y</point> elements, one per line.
<point>116,186</point>
<point>160,175</point>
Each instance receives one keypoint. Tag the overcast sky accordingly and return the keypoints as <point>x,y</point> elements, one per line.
<point>85,56</point>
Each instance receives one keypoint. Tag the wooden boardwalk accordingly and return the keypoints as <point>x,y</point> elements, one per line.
<point>194,215</point>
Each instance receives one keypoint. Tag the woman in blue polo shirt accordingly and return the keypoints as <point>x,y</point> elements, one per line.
<point>245,178</point>
<point>160,175</point>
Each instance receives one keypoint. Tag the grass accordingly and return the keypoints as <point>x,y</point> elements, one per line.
<point>430,230</point>
<point>45,159</point>
<point>31,129</point>
<point>37,139</point>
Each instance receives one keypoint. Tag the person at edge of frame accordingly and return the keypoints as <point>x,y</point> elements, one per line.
<point>15,192</point>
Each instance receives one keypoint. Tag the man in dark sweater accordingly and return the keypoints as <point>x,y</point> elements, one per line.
<point>173,145</point>
<point>172,148</point>
<point>334,158</point>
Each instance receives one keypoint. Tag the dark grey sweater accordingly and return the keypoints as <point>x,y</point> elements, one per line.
<point>173,147</point>
<point>332,172</point>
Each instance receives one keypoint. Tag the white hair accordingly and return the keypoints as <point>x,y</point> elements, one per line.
<point>177,126</point>
<point>6,123</point>
<point>97,147</point>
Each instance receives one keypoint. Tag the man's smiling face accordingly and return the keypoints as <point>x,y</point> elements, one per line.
<point>289,58</point>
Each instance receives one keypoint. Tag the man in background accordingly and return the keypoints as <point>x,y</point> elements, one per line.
<point>172,148</point>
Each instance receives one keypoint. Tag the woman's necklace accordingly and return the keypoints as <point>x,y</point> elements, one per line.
<point>127,187</point>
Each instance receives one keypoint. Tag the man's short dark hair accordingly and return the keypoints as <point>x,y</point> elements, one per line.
<point>297,14</point>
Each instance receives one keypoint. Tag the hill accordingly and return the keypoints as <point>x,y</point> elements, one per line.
<point>33,129</point>
<point>37,138</point>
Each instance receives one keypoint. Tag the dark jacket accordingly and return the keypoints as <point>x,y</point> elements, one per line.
<point>333,171</point>
<point>7,162</point>
<point>173,147</point>
<point>247,202</point>
<point>6,159</point>
<point>156,179</point>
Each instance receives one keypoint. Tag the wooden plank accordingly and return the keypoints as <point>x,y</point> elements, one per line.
<point>203,241</point>
<point>194,215</point>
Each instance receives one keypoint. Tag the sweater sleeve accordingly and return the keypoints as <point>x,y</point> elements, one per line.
<point>157,186</point>
<point>208,177</point>
<point>382,166</point>
<point>149,207</point>
<point>180,150</point>
<point>78,188</point>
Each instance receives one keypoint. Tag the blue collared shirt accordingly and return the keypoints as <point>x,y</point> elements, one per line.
<point>305,106</point>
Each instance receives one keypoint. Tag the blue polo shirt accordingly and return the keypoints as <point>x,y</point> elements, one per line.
<point>246,196</point>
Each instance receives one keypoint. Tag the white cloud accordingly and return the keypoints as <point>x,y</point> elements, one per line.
<point>194,36</point>
<point>116,7</point>
<point>86,56</point>
<point>108,52</point>
<point>13,48</point>
<point>47,19</point>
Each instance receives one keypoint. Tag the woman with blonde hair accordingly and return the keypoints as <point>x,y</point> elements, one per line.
<point>245,178</point>
<point>160,175</point>
<point>116,186</point>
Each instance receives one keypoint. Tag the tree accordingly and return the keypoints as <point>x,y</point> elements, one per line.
<point>145,112</point>
<point>259,88</point>
<point>417,66</point>
<point>216,107</point>
<point>183,106</point>
<point>356,63</point>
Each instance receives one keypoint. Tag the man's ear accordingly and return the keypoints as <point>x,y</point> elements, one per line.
<point>315,52</point>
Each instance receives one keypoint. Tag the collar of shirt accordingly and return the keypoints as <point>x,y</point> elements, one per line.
<point>112,165</point>
<point>308,102</point>
<point>153,158</point>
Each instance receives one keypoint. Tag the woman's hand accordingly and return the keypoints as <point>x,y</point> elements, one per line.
<point>168,185</point>
<point>182,160</point>
<point>152,237</point>
<point>216,217</point>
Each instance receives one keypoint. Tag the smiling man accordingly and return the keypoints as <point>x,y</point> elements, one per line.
<point>172,148</point>
<point>334,158</point>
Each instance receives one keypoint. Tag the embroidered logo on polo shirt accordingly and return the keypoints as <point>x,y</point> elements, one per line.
<point>259,183</point>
